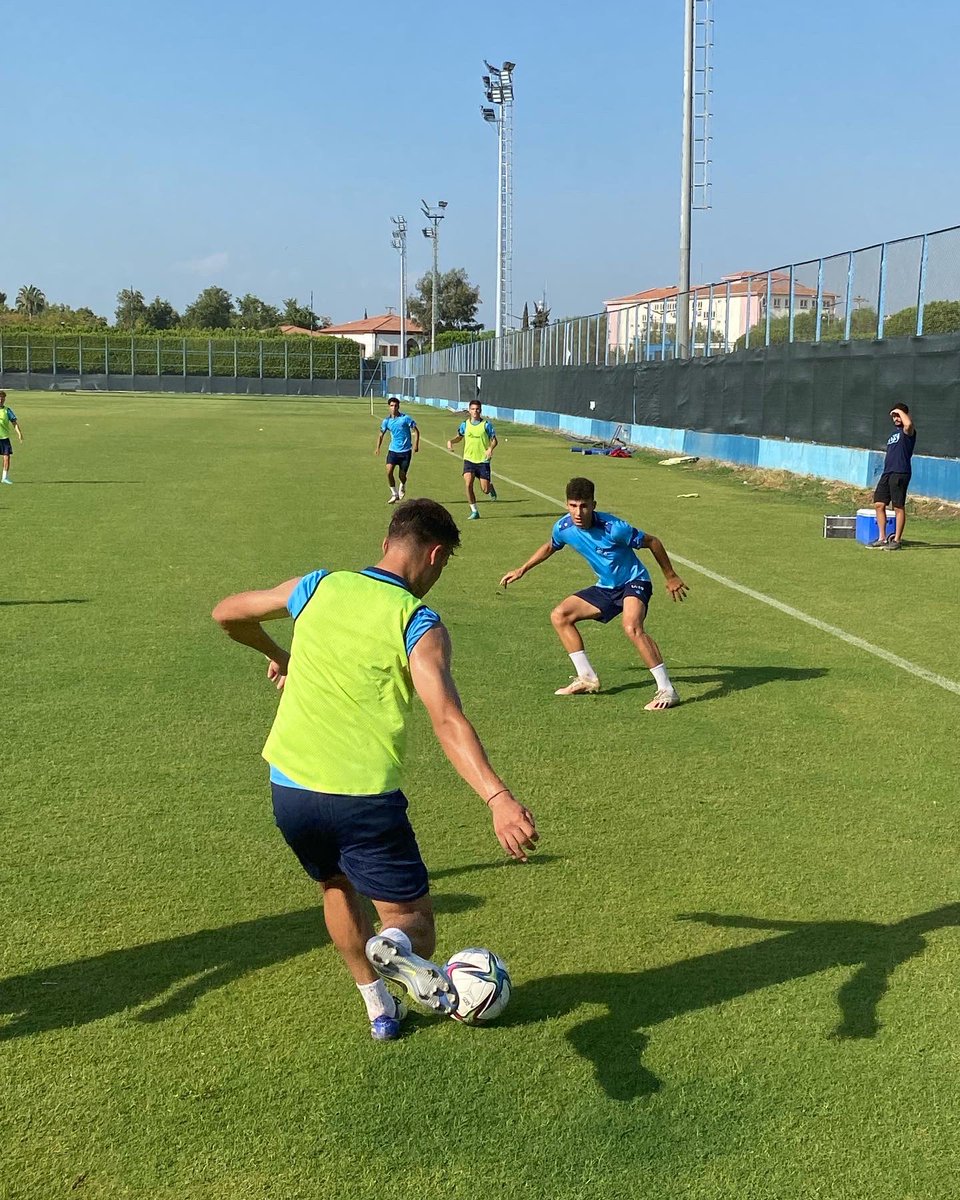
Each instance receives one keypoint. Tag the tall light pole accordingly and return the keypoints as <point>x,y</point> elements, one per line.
<point>686,185</point>
<point>399,242</point>
<point>434,216</point>
<point>498,89</point>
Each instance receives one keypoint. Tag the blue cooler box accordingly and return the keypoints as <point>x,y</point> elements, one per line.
<point>867,525</point>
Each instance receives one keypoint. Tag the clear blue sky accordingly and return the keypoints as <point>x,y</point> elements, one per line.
<point>265,149</point>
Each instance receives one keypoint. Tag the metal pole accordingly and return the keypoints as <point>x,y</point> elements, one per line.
<point>433,290</point>
<point>882,291</point>
<point>686,180</point>
<point>499,325</point>
<point>403,294</point>
<point>849,297</point>
<point>819,320</point>
<point>921,289</point>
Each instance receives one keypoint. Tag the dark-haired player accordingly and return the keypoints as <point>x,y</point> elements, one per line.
<point>8,424</point>
<point>893,483</point>
<point>479,442</point>
<point>404,441</point>
<point>363,641</point>
<point>623,587</point>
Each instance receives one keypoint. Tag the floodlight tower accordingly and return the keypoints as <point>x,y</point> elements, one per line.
<point>695,154</point>
<point>434,216</point>
<point>399,242</point>
<point>498,89</point>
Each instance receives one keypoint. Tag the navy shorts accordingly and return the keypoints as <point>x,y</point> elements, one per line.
<point>481,470</point>
<point>610,600</point>
<point>892,489</point>
<point>396,459</point>
<point>367,838</point>
<point>5,447</point>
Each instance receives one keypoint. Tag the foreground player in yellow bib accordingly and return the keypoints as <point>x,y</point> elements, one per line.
<point>363,642</point>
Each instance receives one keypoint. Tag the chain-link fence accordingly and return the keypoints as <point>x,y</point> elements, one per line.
<point>119,354</point>
<point>905,288</point>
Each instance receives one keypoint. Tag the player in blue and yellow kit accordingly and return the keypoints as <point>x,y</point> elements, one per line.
<point>479,442</point>
<point>623,586</point>
<point>8,424</point>
<point>404,441</point>
<point>363,642</point>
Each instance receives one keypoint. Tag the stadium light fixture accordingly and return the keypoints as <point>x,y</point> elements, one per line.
<point>498,90</point>
<point>399,241</point>
<point>434,216</point>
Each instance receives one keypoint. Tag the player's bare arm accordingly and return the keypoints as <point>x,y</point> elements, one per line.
<point>379,443</point>
<point>240,617</point>
<point>675,585</point>
<point>451,442</point>
<point>416,439</point>
<point>491,448</point>
<point>534,560</point>
<point>430,667</point>
<point>16,425</point>
<point>906,421</point>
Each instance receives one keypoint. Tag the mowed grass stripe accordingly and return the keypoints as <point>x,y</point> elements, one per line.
<point>895,660</point>
<point>181,1027</point>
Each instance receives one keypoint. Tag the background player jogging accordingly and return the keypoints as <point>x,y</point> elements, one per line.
<point>623,586</point>
<point>404,441</point>
<point>479,442</point>
<point>8,424</point>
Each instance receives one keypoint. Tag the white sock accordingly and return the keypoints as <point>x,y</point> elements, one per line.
<point>473,508</point>
<point>662,678</point>
<point>403,488</point>
<point>582,664</point>
<point>4,475</point>
<point>378,1000</point>
<point>393,491</point>
<point>398,936</point>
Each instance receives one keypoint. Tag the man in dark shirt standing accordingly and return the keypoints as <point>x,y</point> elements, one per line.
<point>892,486</point>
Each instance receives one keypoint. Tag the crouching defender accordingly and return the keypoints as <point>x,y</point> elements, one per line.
<point>623,586</point>
<point>362,644</point>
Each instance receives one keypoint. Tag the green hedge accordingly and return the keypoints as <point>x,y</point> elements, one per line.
<point>171,353</point>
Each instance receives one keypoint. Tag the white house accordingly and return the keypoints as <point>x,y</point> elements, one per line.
<point>377,335</point>
<point>728,308</point>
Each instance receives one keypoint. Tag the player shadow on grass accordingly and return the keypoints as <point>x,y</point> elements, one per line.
<point>66,600</point>
<point>615,1040</point>
<point>168,976</point>
<point>57,483</point>
<point>727,679</point>
<point>911,545</point>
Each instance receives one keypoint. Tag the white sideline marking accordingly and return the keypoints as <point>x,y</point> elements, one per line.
<point>895,660</point>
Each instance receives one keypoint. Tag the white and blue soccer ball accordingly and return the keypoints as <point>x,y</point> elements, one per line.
<point>482,982</point>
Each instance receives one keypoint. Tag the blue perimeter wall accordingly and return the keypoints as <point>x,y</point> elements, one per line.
<point>938,478</point>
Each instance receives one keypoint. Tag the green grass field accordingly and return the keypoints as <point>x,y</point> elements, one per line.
<point>736,956</point>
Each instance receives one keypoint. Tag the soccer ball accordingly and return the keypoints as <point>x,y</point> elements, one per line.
<point>482,982</point>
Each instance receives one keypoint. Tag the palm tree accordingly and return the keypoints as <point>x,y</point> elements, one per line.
<point>31,301</point>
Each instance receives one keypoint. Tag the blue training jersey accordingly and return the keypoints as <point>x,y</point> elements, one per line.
<point>401,439</point>
<point>899,452</point>
<point>608,546</point>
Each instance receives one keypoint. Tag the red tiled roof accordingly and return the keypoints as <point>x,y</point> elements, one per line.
<point>739,285</point>
<point>387,323</point>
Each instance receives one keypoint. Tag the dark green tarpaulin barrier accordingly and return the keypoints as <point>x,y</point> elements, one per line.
<point>837,394</point>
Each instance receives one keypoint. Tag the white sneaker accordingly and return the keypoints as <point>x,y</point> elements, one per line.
<point>393,499</point>
<point>579,686</point>
<point>665,698</point>
<point>423,980</point>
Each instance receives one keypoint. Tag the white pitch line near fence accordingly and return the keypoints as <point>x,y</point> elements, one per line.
<point>851,639</point>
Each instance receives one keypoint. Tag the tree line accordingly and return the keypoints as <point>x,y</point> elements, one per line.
<point>216,309</point>
<point>213,309</point>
